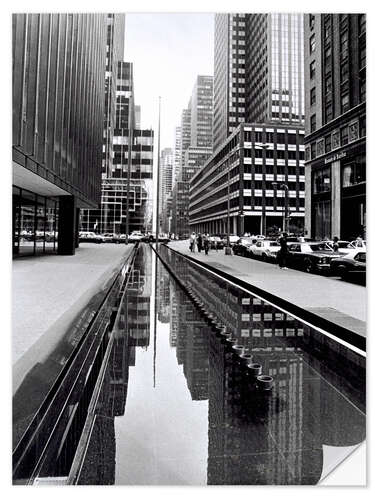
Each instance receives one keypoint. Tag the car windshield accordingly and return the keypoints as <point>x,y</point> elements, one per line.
<point>319,247</point>
<point>274,244</point>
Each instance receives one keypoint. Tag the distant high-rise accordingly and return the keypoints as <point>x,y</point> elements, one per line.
<point>177,154</point>
<point>201,112</point>
<point>196,148</point>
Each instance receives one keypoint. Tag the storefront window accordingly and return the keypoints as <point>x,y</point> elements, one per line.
<point>322,219</point>
<point>322,180</point>
<point>34,223</point>
<point>354,173</point>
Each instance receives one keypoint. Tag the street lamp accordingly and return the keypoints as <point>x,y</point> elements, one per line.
<point>286,205</point>
<point>264,146</point>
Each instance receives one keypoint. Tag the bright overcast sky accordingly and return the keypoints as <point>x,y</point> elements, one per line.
<point>168,52</point>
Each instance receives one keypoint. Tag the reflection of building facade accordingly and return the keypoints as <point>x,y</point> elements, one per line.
<point>58,112</point>
<point>335,95</point>
<point>259,160</point>
<point>164,303</point>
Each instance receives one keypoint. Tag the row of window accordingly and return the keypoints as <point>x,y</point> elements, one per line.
<point>336,139</point>
<point>352,174</point>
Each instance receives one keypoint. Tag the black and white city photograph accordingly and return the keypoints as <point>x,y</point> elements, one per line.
<point>188,234</point>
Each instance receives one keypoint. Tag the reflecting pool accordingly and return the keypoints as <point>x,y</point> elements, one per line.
<point>177,406</point>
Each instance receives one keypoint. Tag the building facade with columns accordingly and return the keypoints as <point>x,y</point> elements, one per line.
<point>335,97</point>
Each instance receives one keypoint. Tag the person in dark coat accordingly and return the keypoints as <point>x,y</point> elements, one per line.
<point>335,244</point>
<point>282,254</point>
<point>206,243</point>
<point>199,242</point>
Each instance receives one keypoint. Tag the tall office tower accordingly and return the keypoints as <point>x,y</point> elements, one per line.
<point>335,97</point>
<point>177,154</point>
<point>258,71</point>
<point>58,114</point>
<point>114,53</point>
<point>274,68</point>
<point>137,116</point>
<point>229,75</point>
<point>201,112</point>
<point>132,153</point>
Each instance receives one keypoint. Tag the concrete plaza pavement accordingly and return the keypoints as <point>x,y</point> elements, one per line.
<point>339,301</point>
<point>49,291</point>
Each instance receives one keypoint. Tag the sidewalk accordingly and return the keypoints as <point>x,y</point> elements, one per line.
<point>49,292</point>
<point>341,302</point>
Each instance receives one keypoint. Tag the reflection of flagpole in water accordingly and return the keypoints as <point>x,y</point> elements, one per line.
<point>155,314</point>
<point>157,240</point>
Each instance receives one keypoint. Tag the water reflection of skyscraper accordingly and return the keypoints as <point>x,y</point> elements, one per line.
<point>163,295</point>
<point>291,430</point>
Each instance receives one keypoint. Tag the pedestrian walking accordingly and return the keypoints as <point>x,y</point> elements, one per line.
<point>206,243</point>
<point>199,242</point>
<point>283,252</point>
<point>192,242</point>
<point>335,245</point>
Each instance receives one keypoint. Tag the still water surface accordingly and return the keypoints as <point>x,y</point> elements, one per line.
<point>176,406</point>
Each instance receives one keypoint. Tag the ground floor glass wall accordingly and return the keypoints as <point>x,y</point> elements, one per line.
<point>35,221</point>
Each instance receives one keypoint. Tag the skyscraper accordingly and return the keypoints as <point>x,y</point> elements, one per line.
<point>258,71</point>
<point>196,148</point>
<point>58,115</point>
<point>229,75</point>
<point>274,68</point>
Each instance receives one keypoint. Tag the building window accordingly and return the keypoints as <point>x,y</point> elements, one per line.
<point>344,44</point>
<point>320,147</point>
<point>344,135</point>
<point>353,131</point>
<point>362,126</point>
<point>312,96</point>
<point>312,43</point>
<point>328,111</point>
<point>362,57</point>
<point>336,139</point>
<point>313,123</point>
<point>361,23</point>
<point>311,21</point>
<point>344,103</point>
<point>312,70</point>
<point>327,56</point>
<point>328,84</point>
<point>307,153</point>
<point>313,150</point>
<point>322,180</point>
<point>344,71</point>
<point>362,89</point>
<point>328,143</point>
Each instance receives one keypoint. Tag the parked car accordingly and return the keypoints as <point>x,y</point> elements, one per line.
<point>90,237</point>
<point>216,241</point>
<point>265,250</point>
<point>135,236</point>
<point>111,238</point>
<point>353,263</point>
<point>357,244</point>
<point>311,257</point>
<point>242,246</point>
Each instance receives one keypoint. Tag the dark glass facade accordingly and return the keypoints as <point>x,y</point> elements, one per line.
<point>58,112</point>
